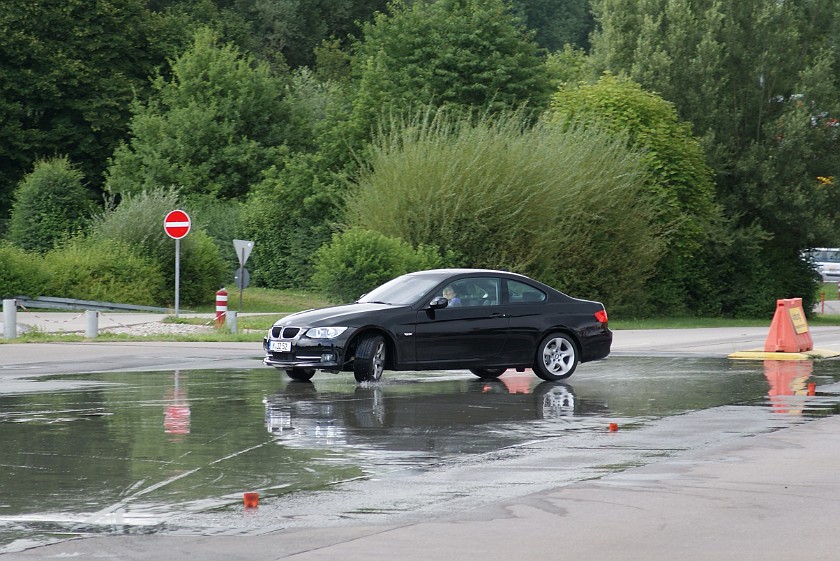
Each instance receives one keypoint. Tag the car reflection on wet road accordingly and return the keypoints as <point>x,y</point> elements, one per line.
<point>167,451</point>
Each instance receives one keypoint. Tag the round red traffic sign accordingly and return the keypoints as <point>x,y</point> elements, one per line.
<point>176,224</point>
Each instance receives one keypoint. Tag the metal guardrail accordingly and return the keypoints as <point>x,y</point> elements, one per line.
<point>50,303</point>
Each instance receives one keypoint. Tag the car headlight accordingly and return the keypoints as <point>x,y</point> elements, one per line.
<point>325,332</point>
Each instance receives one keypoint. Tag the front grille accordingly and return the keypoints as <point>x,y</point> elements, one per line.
<point>280,332</point>
<point>282,356</point>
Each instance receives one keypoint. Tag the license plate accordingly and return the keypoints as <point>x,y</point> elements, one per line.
<point>280,346</point>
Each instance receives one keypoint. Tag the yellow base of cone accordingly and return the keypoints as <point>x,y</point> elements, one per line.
<point>758,354</point>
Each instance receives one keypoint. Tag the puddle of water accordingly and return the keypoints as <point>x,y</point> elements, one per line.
<point>141,448</point>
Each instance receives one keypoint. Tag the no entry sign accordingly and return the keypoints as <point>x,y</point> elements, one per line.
<point>176,224</point>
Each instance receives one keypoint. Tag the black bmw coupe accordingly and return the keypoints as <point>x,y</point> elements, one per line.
<point>482,320</point>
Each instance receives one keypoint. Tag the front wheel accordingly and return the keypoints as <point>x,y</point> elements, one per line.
<point>557,357</point>
<point>370,359</point>
<point>488,373</point>
<point>300,374</point>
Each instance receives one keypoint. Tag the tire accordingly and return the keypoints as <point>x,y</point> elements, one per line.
<point>300,374</point>
<point>557,357</point>
<point>370,359</point>
<point>488,373</point>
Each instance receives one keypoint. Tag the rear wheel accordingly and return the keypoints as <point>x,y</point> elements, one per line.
<point>370,359</point>
<point>557,357</point>
<point>488,372</point>
<point>300,374</point>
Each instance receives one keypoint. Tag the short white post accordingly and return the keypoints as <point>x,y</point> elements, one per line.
<point>91,324</point>
<point>10,319</point>
<point>231,318</point>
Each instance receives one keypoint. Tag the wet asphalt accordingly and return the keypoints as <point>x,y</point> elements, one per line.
<point>767,496</point>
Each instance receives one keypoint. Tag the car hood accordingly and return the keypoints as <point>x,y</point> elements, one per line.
<point>345,315</point>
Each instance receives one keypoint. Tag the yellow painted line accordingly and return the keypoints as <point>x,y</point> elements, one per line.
<point>759,354</point>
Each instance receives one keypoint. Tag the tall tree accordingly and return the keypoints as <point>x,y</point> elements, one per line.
<point>67,76</point>
<point>69,71</point>
<point>469,54</point>
<point>759,82</point>
<point>294,28</point>
<point>209,130</point>
<point>558,23</point>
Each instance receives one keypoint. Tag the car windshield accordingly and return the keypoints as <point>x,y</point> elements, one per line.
<point>825,255</point>
<point>401,291</point>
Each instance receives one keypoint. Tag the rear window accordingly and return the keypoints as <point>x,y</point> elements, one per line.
<point>521,293</point>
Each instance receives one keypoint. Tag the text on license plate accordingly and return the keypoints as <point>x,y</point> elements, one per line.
<point>280,346</point>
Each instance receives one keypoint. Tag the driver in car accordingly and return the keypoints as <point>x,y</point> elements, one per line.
<point>449,294</point>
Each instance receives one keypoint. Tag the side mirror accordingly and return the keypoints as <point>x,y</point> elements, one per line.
<point>438,303</point>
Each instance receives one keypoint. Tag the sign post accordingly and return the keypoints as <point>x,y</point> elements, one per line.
<point>177,225</point>
<point>243,250</point>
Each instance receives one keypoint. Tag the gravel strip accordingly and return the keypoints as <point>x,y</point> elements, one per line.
<point>160,328</point>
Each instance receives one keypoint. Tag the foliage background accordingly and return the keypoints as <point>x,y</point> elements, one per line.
<point>273,120</point>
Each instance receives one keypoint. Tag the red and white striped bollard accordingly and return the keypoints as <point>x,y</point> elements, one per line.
<point>221,306</point>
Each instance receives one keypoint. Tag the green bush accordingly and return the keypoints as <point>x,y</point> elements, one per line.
<point>21,273</point>
<point>358,261</point>
<point>105,270</point>
<point>679,180</point>
<point>221,220</point>
<point>289,215</point>
<point>203,270</point>
<point>137,222</point>
<point>563,204</point>
<point>51,205</point>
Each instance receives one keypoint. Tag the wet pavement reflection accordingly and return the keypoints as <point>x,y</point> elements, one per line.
<point>130,452</point>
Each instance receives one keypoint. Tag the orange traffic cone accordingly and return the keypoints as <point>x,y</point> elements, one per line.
<point>789,330</point>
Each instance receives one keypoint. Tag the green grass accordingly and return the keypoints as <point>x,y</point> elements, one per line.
<point>684,323</point>
<point>694,323</point>
<point>829,290</point>
<point>243,323</point>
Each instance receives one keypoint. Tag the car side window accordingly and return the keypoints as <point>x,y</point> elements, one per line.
<point>521,293</point>
<point>474,291</point>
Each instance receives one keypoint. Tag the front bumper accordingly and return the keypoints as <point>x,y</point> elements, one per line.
<point>301,355</point>
<point>302,362</point>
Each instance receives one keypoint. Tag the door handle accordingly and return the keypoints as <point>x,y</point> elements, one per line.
<point>497,315</point>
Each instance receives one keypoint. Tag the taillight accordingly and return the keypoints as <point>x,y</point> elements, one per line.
<point>601,315</point>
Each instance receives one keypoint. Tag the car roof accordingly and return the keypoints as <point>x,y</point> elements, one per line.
<point>451,272</point>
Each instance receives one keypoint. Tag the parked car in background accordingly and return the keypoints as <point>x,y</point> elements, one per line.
<point>826,260</point>
<point>501,320</point>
